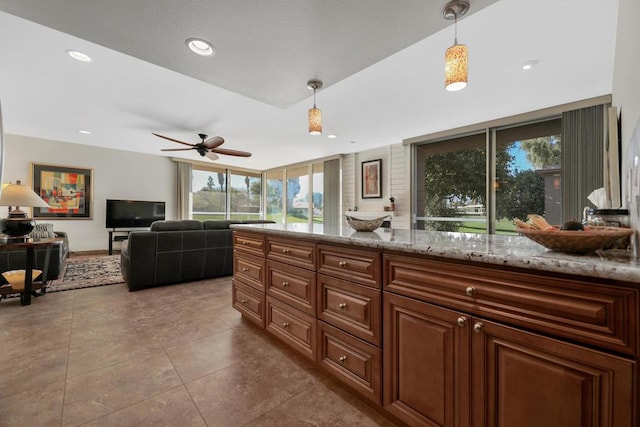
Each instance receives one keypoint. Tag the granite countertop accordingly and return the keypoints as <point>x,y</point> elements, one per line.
<point>514,251</point>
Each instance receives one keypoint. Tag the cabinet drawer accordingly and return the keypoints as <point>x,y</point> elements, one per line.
<point>249,302</point>
<point>249,242</point>
<point>292,326</point>
<point>596,314</point>
<point>292,252</point>
<point>249,269</point>
<point>352,361</point>
<point>350,307</point>
<point>295,286</point>
<point>362,266</point>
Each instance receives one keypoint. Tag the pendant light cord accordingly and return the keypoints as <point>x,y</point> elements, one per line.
<point>455,28</point>
<point>314,97</point>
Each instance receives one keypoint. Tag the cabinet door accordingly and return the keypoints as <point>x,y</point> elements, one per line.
<point>522,379</point>
<point>426,363</point>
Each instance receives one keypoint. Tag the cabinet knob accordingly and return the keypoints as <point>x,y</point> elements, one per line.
<point>244,301</point>
<point>471,291</point>
<point>462,321</point>
<point>285,251</point>
<point>478,327</point>
<point>342,264</point>
<point>342,358</point>
<point>245,269</point>
<point>244,242</point>
<point>342,305</point>
<point>285,324</point>
<point>285,284</point>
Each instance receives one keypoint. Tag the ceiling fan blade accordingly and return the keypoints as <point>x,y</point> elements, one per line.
<point>171,139</point>
<point>214,142</point>
<point>229,152</point>
<point>212,156</point>
<point>176,149</point>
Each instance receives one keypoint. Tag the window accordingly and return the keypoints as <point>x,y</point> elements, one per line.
<point>480,182</point>
<point>209,192</point>
<point>221,193</point>
<point>318,192</point>
<point>245,195</point>
<point>274,200</point>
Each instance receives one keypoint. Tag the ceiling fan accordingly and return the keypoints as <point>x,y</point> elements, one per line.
<point>207,147</point>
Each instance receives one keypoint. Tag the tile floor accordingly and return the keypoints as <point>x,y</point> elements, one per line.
<point>170,356</point>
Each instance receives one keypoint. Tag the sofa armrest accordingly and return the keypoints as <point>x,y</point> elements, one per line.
<point>138,259</point>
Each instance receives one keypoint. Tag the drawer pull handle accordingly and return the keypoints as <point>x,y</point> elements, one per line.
<point>342,358</point>
<point>245,269</point>
<point>462,321</point>
<point>342,305</point>
<point>285,284</point>
<point>244,242</point>
<point>244,301</point>
<point>342,264</point>
<point>478,327</point>
<point>285,324</point>
<point>285,251</point>
<point>471,291</point>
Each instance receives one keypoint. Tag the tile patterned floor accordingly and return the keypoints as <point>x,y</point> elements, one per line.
<point>169,356</point>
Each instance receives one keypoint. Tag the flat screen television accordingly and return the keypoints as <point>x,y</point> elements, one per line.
<point>133,213</point>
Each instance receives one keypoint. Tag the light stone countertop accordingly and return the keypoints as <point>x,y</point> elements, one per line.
<point>514,251</point>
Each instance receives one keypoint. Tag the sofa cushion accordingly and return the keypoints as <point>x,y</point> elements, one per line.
<point>219,224</point>
<point>177,225</point>
<point>43,230</point>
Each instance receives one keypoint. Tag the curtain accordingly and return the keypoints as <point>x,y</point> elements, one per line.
<point>584,134</point>
<point>183,193</point>
<point>332,193</point>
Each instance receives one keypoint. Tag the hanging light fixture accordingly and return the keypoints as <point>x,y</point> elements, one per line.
<point>455,58</point>
<point>315,115</point>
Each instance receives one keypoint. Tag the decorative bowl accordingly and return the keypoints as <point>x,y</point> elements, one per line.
<point>577,242</point>
<point>365,224</point>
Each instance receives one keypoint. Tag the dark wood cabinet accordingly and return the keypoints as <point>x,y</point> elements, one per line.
<point>446,368</point>
<point>442,342</point>
<point>426,363</point>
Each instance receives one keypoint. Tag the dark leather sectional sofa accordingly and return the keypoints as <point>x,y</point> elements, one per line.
<point>16,259</point>
<point>178,251</point>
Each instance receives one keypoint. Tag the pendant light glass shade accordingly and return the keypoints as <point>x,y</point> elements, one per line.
<point>455,68</point>
<point>315,115</point>
<point>315,121</point>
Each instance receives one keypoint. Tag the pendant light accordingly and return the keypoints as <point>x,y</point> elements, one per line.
<point>455,58</point>
<point>315,115</point>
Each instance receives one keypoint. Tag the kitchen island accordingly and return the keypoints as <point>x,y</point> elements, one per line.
<point>451,328</point>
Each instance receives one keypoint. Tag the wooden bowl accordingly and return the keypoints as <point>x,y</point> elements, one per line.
<point>577,242</point>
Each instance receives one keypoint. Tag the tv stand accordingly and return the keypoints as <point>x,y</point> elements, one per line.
<point>116,235</point>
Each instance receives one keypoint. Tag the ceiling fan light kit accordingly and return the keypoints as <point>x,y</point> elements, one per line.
<point>456,57</point>
<point>315,115</point>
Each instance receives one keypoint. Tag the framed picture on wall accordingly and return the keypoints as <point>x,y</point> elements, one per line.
<point>372,179</point>
<point>67,190</point>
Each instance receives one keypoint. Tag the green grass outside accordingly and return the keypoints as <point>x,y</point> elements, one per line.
<point>504,226</point>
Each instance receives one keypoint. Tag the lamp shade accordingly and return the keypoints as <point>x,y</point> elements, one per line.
<point>315,121</point>
<point>455,68</point>
<point>21,195</point>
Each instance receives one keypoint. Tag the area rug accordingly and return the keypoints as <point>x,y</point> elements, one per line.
<point>88,272</point>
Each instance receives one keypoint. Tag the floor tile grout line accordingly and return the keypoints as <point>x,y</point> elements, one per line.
<point>66,372</point>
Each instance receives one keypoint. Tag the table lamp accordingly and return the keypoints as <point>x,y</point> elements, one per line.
<point>17,225</point>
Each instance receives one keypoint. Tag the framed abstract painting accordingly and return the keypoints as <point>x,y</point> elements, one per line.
<point>67,190</point>
<point>372,179</point>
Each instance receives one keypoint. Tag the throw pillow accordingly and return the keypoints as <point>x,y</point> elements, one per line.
<point>42,231</point>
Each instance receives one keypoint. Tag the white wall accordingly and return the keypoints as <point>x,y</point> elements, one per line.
<point>116,175</point>
<point>626,84</point>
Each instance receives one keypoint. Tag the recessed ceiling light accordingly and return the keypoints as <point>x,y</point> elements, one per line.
<point>332,136</point>
<point>84,132</point>
<point>200,47</point>
<point>79,56</point>
<point>353,142</point>
<point>528,65</point>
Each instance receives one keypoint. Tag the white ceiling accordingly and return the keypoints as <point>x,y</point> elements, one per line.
<point>381,63</point>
